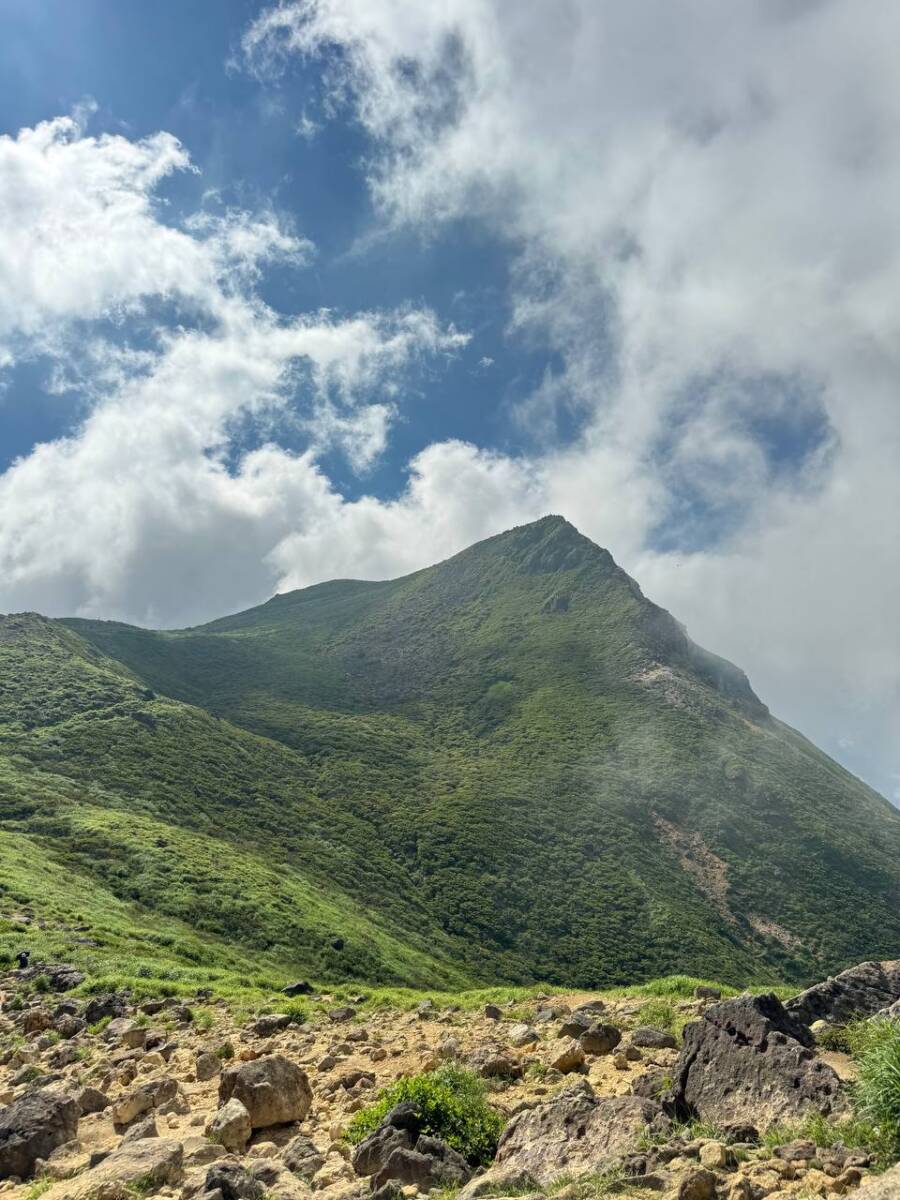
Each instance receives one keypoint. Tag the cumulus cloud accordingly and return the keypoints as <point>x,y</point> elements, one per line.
<point>161,507</point>
<point>708,197</point>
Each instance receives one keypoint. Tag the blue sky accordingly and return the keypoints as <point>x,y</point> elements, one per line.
<point>337,287</point>
<point>167,66</point>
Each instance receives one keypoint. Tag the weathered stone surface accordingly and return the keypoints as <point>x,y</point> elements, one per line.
<point>574,1133</point>
<point>431,1164</point>
<point>207,1067</point>
<point>154,1162</point>
<point>600,1039</point>
<point>270,1024</point>
<point>567,1056</point>
<point>300,988</point>
<point>523,1035</point>
<point>273,1090</point>
<point>230,1126</point>
<point>373,1152</point>
<point>233,1182</point>
<point>91,1100</point>
<point>748,1059</point>
<point>653,1039</point>
<point>860,991</point>
<point>32,1127</point>
<point>152,1094</point>
<point>882,1187</point>
<point>301,1157</point>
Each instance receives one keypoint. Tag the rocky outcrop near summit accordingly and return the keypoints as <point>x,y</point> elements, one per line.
<point>748,1059</point>
<point>32,1127</point>
<point>861,991</point>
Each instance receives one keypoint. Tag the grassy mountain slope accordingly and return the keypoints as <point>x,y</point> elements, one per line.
<point>512,764</point>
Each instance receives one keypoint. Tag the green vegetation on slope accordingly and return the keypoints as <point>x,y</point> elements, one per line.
<point>511,766</point>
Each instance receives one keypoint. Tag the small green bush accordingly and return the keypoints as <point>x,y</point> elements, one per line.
<point>835,1037</point>
<point>452,1105</point>
<point>660,1014</point>
<point>878,1088</point>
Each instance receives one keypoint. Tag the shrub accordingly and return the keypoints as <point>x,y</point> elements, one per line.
<point>835,1037</point>
<point>452,1105</point>
<point>659,1014</point>
<point>878,1089</point>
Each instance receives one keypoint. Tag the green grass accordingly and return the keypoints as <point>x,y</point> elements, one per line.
<point>459,782</point>
<point>877,1097</point>
<point>452,1105</point>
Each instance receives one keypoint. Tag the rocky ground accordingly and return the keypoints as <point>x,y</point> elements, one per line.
<point>105,1099</point>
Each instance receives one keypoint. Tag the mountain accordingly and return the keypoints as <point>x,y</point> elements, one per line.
<point>509,766</point>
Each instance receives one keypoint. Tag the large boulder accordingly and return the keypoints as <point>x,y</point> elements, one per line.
<point>32,1127</point>
<point>144,1165</point>
<point>273,1090</point>
<point>574,1133</point>
<point>858,992</point>
<point>749,1059</point>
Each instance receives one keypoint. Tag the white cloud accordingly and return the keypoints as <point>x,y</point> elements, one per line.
<point>708,196</point>
<point>154,510</point>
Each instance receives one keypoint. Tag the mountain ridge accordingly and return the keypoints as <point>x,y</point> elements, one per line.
<point>513,759</point>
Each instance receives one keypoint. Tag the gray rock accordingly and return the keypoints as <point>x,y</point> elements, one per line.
<point>233,1182</point>
<point>230,1126</point>
<point>91,1100</point>
<point>372,1154</point>
<point>574,1133</point>
<point>273,1090</point>
<point>207,1067</point>
<point>653,1039</point>
<point>145,1128</point>
<point>431,1164</point>
<point>858,992</point>
<point>300,988</point>
<point>881,1187</point>
<point>270,1024</point>
<point>153,1162</point>
<point>32,1127</point>
<point>301,1157</point>
<point>749,1059</point>
<point>600,1039</point>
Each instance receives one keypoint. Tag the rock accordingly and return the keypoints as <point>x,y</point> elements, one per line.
<point>858,992</point>
<point>492,1012</point>
<point>149,1164</point>
<point>653,1039</point>
<point>301,1157</point>
<point>207,1067</point>
<point>36,1020</point>
<point>69,1026</point>
<point>575,1132</point>
<point>747,1058</point>
<point>233,1182</point>
<point>703,992</point>
<point>575,1025</point>
<point>198,1152</point>
<point>881,1187</point>
<point>153,1094</point>
<point>498,1181</point>
<point>492,1062</point>
<point>301,988</point>
<point>270,1024</point>
<point>230,1126</point>
<point>568,1056</point>
<point>600,1039</point>
<point>373,1152</point>
<point>431,1164</point>
<point>273,1090</point>
<point>32,1127</point>
<point>698,1184</point>
<point>145,1128</point>
<point>91,1100</point>
<point>523,1035</point>
<point>715,1156</point>
<point>98,1008</point>
<point>339,1015</point>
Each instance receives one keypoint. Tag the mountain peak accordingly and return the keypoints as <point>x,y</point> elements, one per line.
<point>549,544</point>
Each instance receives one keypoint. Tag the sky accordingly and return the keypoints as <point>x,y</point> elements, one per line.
<point>337,287</point>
